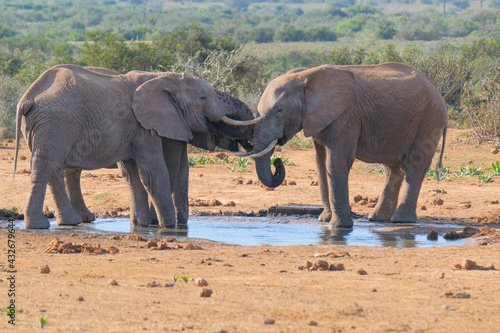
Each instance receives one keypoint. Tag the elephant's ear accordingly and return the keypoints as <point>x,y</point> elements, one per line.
<point>328,92</point>
<point>155,108</point>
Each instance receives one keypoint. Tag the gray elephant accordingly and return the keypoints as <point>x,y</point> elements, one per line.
<point>388,113</point>
<point>74,117</point>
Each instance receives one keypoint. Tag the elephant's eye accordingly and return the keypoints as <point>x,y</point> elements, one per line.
<point>279,110</point>
<point>203,98</point>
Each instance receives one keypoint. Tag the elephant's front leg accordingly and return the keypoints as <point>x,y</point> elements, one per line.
<point>338,165</point>
<point>388,199</point>
<point>155,177</point>
<point>72,180</point>
<point>66,214</point>
<point>326,215</point>
<point>176,159</point>
<point>139,208</point>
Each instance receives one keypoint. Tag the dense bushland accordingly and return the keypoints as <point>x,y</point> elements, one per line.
<point>217,44</point>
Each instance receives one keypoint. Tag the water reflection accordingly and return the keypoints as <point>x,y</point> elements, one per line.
<point>250,231</point>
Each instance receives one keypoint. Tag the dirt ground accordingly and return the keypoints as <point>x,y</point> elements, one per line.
<point>127,284</point>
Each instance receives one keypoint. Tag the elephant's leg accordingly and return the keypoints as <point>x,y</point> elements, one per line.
<point>139,208</point>
<point>321,155</point>
<point>415,168</point>
<point>388,199</point>
<point>42,169</point>
<point>176,159</point>
<point>66,214</point>
<point>338,166</point>
<point>72,179</point>
<point>154,175</point>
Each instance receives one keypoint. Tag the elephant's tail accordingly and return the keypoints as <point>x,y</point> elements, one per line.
<point>22,109</point>
<point>439,164</point>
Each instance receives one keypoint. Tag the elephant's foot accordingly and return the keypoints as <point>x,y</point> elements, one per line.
<point>379,216</point>
<point>341,222</point>
<point>68,218</point>
<point>140,222</point>
<point>86,215</point>
<point>325,216</point>
<point>36,222</point>
<point>404,215</point>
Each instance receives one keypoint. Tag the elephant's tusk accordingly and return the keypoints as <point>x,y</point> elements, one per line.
<point>265,151</point>
<point>235,122</point>
<point>243,153</point>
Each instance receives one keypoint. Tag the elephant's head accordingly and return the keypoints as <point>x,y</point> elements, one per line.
<point>301,99</point>
<point>177,105</point>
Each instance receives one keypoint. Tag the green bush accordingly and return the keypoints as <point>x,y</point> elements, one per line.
<point>11,91</point>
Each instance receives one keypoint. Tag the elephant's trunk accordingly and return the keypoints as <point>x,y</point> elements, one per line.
<point>266,176</point>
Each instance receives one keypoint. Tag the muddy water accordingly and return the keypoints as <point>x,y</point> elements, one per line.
<point>251,231</point>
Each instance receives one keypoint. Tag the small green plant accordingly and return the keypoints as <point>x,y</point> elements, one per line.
<point>15,209</point>
<point>485,178</point>
<point>444,173</point>
<point>471,171</point>
<point>66,272</point>
<point>43,320</point>
<point>494,166</point>
<point>192,160</point>
<point>242,163</point>
<point>176,277</point>
<point>232,169</point>
<point>100,196</point>
<point>379,170</point>
<point>9,311</point>
<point>185,277</point>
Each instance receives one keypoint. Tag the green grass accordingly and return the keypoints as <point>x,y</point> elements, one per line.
<point>43,320</point>
<point>100,196</point>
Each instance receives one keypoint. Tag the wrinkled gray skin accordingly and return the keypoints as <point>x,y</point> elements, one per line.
<point>389,113</point>
<point>73,117</point>
<point>176,160</point>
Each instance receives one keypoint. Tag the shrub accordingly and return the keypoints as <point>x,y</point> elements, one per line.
<point>11,91</point>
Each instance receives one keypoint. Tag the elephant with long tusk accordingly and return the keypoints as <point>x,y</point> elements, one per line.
<point>80,118</point>
<point>388,113</point>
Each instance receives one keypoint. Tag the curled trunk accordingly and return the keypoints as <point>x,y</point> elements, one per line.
<point>266,176</point>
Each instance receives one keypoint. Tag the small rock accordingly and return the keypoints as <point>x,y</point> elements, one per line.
<point>362,272</point>
<point>312,323</point>
<point>494,151</point>
<point>169,284</point>
<point>81,299</point>
<point>438,201</point>
<point>112,282</point>
<point>433,235</point>
<point>337,267</point>
<point>447,307</point>
<point>269,321</point>
<point>206,292</point>
<point>201,282</point>
<point>322,264</point>
<point>423,208</point>
<point>153,284</point>
<point>44,269</point>
<point>468,264</point>
<point>292,182</point>
<point>191,246</point>
<point>438,275</point>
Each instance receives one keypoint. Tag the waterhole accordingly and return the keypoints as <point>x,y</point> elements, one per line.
<point>286,230</point>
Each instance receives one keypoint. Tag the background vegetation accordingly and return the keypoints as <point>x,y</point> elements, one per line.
<point>239,45</point>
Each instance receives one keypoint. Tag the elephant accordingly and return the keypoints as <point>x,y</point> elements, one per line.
<point>73,117</point>
<point>175,155</point>
<point>388,113</point>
